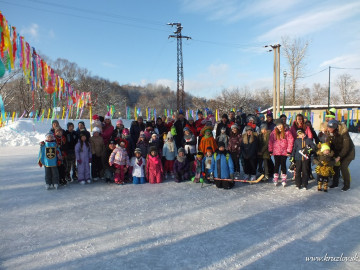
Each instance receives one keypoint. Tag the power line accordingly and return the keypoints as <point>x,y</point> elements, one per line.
<point>314,73</point>
<point>227,44</point>
<point>344,68</point>
<point>83,17</point>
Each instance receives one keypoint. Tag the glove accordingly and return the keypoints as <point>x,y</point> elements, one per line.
<point>291,159</point>
<point>203,174</point>
<point>40,164</point>
<point>79,161</point>
<point>232,176</point>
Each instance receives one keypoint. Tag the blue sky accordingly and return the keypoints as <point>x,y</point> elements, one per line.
<point>127,41</point>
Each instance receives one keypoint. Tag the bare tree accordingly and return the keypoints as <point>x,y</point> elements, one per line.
<point>348,88</point>
<point>294,51</point>
<point>319,94</point>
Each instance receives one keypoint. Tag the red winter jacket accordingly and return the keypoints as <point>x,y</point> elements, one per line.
<point>107,133</point>
<point>281,147</point>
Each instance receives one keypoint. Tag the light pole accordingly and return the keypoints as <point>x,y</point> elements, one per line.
<point>285,74</point>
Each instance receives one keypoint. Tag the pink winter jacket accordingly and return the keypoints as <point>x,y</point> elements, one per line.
<point>281,147</point>
<point>119,156</point>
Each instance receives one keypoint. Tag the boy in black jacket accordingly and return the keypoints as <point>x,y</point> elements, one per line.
<point>70,160</point>
<point>303,147</point>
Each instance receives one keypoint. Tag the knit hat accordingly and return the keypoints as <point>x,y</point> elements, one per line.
<point>333,124</point>
<point>225,116</point>
<point>300,131</point>
<point>263,126</point>
<point>119,122</point>
<point>49,137</point>
<point>234,126</point>
<point>269,113</point>
<point>108,116</point>
<point>278,122</point>
<point>223,129</point>
<point>206,128</point>
<point>142,134</point>
<point>169,135</point>
<point>199,154</point>
<point>221,144</point>
<point>95,117</point>
<point>331,113</point>
<point>153,148</point>
<point>251,118</point>
<point>125,132</point>
<point>186,129</point>
<point>247,128</point>
<point>96,129</point>
<point>209,148</point>
<point>324,146</point>
<point>181,149</point>
<point>261,115</point>
<point>137,150</point>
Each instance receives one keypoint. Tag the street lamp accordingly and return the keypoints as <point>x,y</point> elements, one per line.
<point>285,74</point>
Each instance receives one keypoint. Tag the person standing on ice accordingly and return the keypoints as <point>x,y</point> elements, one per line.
<point>97,149</point>
<point>181,167</point>
<point>83,158</point>
<point>222,167</point>
<point>120,159</point>
<point>82,128</point>
<point>249,149</point>
<point>154,168</point>
<point>281,144</point>
<point>49,156</point>
<point>70,160</point>
<point>137,163</point>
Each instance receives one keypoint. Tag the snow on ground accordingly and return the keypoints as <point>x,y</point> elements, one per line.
<point>170,225</point>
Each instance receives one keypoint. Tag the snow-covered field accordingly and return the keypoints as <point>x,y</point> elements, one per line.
<point>167,226</point>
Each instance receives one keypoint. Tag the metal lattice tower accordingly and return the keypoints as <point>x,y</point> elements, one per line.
<point>180,92</point>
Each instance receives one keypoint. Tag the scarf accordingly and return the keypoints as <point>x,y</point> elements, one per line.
<point>181,159</point>
<point>171,146</point>
<point>139,161</point>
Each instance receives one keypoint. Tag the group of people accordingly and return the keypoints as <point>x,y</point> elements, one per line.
<point>201,151</point>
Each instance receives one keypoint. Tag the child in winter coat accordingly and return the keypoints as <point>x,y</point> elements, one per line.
<point>97,150</point>
<point>61,143</point>
<point>263,151</point>
<point>154,168</point>
<point>70,160</point>
<point>142,144</point>
<point>222,167</point>
<point>197,168</point>
<point>130,143</point>
<point>181,166</point>
<point>189,143</point>
<point>302,149</point>
<point>137,163</point>
<point>207,140</point>
<point>155,142</point>
<point>169,153</point>
<point>280,146</point>
<point>49,156</point>
<point>109,170</point>
<point>83,157</point>
<point>325,162</point>
<point>234,147</point>
<point>120,159</point>
<point>249,149</point>
<point>206,163</point>
<point>223,137</point>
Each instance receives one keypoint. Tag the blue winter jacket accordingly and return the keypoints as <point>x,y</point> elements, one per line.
<point>166,152</point>
<point>49,154</point>
<point>226,165</point>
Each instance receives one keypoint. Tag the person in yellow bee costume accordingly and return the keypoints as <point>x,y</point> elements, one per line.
<point>325,162</point>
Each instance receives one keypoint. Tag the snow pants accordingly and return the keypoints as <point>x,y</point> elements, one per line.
<point>70,162</point>
<point>51,175</point>
<point>96,166</point>
<point>181,176</point>
<point>83,171</point>
<point>302,172</point>
<point>155,178</point>
<point>119,175</point>
<point>169,166</point>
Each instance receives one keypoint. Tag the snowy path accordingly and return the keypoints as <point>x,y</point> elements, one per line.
<point>170,226</point>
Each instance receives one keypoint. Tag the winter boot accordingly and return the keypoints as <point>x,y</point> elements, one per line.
<point>320,183</point>
<point>283,179</point>
<point>47,186</point>
<point>253,178</point>
<point>325,185</point>
<point>276,178</point>
<point>56,186</point>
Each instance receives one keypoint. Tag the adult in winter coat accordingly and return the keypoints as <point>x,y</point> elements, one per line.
<point>344,149</point>
<point>179,125</point>
<point>299,123</point>
<point>97,151</point>
<point>161,130</point>
<point>54,124</point>
<point>281,144</point>
<point>181,167</point>
<point>136,127</point>
<point>234,147</point>
<point>107,129</point>
<point>71,140</point>
<point>192,126</point>
<point>199,124</point>
<point>222,167</point>
<point>224,123</point>
<point>83,157</point>
<point>154,168</point>
<point>249,149</point>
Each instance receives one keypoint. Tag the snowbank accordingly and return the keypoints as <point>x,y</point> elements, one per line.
<point>27,133</point>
